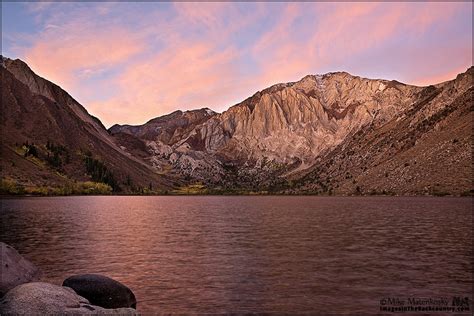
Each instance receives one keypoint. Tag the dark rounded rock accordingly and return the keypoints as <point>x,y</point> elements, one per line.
<point>101,290</point>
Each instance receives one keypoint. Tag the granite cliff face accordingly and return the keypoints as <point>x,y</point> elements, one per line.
<point>280,138</point>
<point>300,120</point>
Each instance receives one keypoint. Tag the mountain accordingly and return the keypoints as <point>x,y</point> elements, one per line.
<point>424,149</point>
<point>51,144</point>
<point>325,134</point>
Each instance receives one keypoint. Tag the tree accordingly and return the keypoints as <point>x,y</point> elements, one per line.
<point>99,172</point>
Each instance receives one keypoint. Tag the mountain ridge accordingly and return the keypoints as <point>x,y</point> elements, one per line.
<point>287,138</point>
<point>386,99</point>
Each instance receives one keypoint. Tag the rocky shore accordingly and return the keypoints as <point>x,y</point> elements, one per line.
<point>23,293</point>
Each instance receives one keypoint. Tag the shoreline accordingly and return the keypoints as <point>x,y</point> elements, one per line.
<point>8,196</point>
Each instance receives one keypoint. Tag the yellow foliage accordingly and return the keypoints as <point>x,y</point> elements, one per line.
<point>11,187</point>
<point>197,188</point>
<point>90,187</point>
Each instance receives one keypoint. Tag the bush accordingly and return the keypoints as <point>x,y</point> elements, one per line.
<point>90,187</point>
<point>10,187</point>
<point>30,150</point>
<point>59,152</point>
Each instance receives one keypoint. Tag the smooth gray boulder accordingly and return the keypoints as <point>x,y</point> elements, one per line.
<point>14,269</point>
<point>101,290</point>
<point>38,298</point>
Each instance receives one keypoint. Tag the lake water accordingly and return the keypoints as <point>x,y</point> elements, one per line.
<point>218,254</point>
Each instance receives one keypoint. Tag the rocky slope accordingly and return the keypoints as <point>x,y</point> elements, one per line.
<point>50,142</point>
<point>334,133</point>
<point>157,140</point>
<point>425,149</point>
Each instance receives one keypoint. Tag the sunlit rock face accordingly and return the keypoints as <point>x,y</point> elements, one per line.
<point>300,120</point>
<point>289,124</point>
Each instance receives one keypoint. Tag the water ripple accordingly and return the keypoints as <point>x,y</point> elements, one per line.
<point>252,254</point>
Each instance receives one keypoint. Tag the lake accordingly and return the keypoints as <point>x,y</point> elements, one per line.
<point>272,254</point>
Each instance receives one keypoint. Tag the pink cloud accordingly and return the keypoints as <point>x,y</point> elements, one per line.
<point>187,73</point>
<point>430,13</point>
<point>196,13</point>
<point>184,76</point>
<point>282,56</point>
<point>159,66</point>
<point>342,31</point>
<point>64,54</point>
<point>280,32</point>
<point>446,67</point>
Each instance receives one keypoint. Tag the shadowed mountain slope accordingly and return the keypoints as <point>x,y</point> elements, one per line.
<point>48,140</point>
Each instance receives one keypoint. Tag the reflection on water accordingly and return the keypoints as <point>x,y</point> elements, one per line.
<point>251,254</point>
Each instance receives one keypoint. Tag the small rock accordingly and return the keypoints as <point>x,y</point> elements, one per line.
<point>101,290</point>
<point>38,298</point>
<point>14,269</point>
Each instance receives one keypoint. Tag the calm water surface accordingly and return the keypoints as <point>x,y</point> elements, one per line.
<point>252,254</point>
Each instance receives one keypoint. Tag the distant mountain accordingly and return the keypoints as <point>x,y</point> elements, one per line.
<point>325,134</point>
<point>50,142</point>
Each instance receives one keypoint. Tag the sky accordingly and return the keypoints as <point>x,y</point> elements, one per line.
<point>129,62</point>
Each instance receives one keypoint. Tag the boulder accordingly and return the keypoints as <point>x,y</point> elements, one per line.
<point>14,269</point>
<point>101,290</point>
<point>38,298</point>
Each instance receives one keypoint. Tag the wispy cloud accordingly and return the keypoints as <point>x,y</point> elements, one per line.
<point>61,58</point>
<point>36,7</point>
<point>182,76</point>
<point>128,62</point>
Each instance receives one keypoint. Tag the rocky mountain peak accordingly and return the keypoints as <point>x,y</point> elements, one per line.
<point>3,61</point>
<point>313,114</point>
